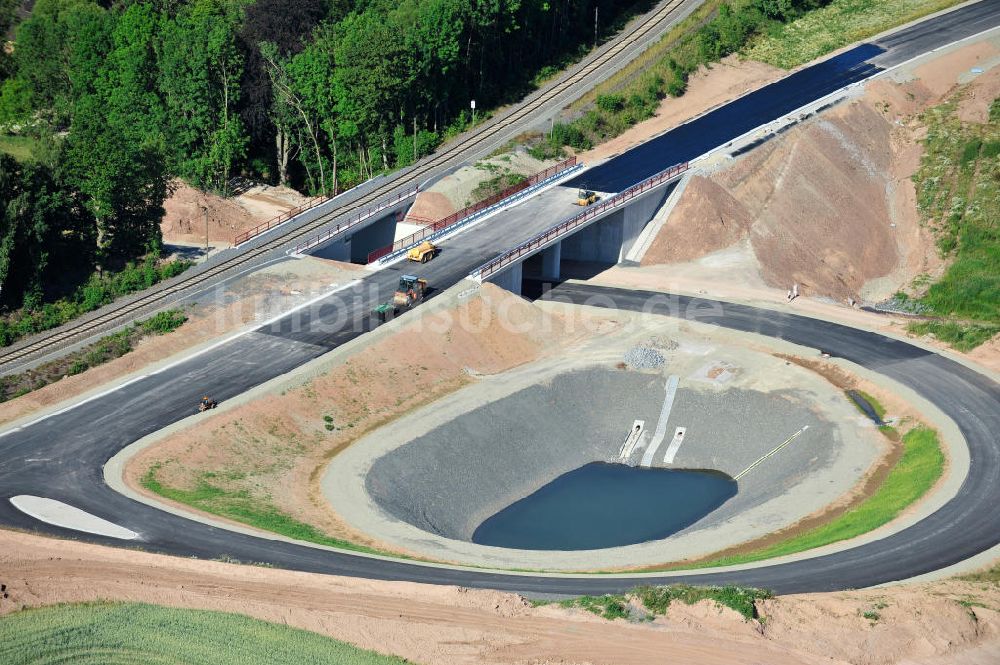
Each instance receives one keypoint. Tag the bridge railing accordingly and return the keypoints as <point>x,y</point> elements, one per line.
<point>361,216</point>
<point>468,211</point>
<point>241,238</point>
<point>531,245</point>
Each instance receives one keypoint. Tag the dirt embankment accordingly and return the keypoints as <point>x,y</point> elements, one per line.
<point>830,205</point>
<point>459,189</point>
<point>946,623</point>
<point>188,208</point>
<point>284,441</point>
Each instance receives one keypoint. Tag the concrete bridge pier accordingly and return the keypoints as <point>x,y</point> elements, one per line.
<point>510,279</point>
<point>551,260</point>
<point>355,245</point>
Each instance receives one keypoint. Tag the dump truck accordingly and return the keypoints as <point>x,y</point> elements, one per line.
<point>423,252</point>
<point>410,291</point>
<point>586,197</point>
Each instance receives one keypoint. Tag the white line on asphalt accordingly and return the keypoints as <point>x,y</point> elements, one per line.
<point>661,426</point>
<point>764,457</point>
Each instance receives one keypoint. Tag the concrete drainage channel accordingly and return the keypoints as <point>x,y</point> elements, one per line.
<point>536,477</point>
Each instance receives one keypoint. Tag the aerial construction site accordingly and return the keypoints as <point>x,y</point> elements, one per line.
<point>677,349</point>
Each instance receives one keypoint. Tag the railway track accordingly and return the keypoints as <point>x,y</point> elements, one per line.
<point>83,329</point>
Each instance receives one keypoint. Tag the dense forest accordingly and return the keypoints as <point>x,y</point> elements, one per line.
<point>121,96</point>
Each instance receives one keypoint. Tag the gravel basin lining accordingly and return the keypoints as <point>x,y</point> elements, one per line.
<point>451,479</point>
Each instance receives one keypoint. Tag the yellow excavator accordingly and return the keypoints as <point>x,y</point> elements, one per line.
<point>586,197</point>
<point>423,252</point>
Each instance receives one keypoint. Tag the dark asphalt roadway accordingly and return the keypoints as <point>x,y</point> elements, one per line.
<point>62,457</point>
<point>773,101</point>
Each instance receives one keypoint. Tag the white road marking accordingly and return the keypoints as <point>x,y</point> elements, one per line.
<point>764,457</point>
<point>675,445</point>
<point>661,426</point>
<point>66,516</point>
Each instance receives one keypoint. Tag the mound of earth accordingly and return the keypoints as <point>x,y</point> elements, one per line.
<point>829,205</point>
<point>187,209</point>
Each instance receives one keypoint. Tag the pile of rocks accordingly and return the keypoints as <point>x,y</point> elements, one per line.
<point>641,357</point>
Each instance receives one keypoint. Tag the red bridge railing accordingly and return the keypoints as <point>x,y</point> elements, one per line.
<point>241,238</point>
<point>357,219</point>
<point>468,211</point>
<point>530,246</point>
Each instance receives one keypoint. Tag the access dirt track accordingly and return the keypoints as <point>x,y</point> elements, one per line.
<point>448,625</point>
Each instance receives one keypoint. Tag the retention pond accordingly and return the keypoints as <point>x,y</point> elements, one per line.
<point>606,505</point>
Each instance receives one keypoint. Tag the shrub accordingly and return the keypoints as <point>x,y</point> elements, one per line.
<point>610,103</point>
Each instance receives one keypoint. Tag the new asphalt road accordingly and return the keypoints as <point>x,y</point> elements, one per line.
<point>61,457</point>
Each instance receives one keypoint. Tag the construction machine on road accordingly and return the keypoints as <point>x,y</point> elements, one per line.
<point>206,404</point>
<point>410,291</point>
<point>586,197</point>
<point>423,252</point>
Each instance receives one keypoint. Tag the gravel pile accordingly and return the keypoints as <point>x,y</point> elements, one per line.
<point>641,357</point>
<point>896,305</point>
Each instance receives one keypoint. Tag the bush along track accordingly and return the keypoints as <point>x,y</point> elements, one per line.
<point>645,603</point>
<point>98,291</point>
<point>103,350</point>
<point>958,196</point>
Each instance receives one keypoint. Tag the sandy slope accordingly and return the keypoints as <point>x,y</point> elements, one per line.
<point>448,625</point>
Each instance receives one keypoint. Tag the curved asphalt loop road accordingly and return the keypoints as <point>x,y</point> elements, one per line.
<point>62,457</point>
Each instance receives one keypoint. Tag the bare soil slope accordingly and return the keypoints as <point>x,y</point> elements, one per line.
<point>186,210</point>
<point>948,623</point>
<point>830,205</point>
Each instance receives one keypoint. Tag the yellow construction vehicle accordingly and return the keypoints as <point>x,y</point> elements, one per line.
<point>410,291</point>
<point>423,252</point>
<point>585,197</point>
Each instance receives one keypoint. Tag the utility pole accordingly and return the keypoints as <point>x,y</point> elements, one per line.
<point>204,210</point>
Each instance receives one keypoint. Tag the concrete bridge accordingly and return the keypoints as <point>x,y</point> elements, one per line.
<point>605,233</point>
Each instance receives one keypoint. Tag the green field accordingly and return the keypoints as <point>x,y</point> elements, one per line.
<point>913,475</point>
<point>111,633</point>
<point>838,24</point>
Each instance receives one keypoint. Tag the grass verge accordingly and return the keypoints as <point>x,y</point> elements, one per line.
<point>919,467</point>
<point>141,633</point>
<point>644,603</point>
<point>834,26</point>
<point>241,506</point>
<point>958,196</point>
<point>102,351</point>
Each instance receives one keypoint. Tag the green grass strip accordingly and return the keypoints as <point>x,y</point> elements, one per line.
<point>249,510</point>
<point>834,26</point>
<point>920,466</point>
<point>125,633</point>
